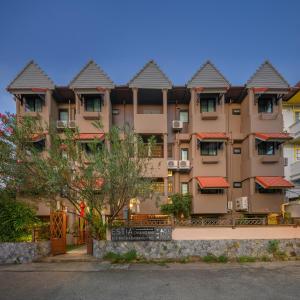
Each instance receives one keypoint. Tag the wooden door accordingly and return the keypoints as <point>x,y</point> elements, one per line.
<point>58,232</point>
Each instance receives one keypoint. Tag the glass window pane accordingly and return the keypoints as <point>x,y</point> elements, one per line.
<point>38,105</point>
<point>184,154</point>
<point>184,188</point>
<point>184,116</point>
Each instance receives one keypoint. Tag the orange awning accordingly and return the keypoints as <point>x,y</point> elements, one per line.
<point>212,182</point>
<point>270,182</point>
<point>273,136</point>
<point>37,137</point>
<point>212,136</point>
<point>90,136</point>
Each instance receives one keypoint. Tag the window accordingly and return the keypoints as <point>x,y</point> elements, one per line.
<point>63,115</point>
<point>286,161</point>
<point>184,154</point>
<point>237,184</point>
<point>297,116</point>
<point>237,150</point>
<point>260,189</point>
<point>211,191</point>
<point>93,103</point>
<point>236,111</point>
<point>208,104</point>
<point>184,116</point>
<point>33,105</point>
<point>266,148</point>
<point>91,147</point>
<point>297,153</point>
<point>39,146</point>
<point>265,105</point>
<point>184,188</point>
<point>209,149</point>
<point>158,186</point>
<point>170,150</point>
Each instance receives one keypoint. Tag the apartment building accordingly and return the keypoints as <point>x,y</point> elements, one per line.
<point>221,143</point>
<point>291,118</point>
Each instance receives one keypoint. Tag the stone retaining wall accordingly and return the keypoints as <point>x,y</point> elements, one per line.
<point>177,249</point>
<point>23,252</point>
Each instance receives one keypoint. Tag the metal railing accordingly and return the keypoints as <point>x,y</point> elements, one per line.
<point>65,124</point>
<point>220,221</point>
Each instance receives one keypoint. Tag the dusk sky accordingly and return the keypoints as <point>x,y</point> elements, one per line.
<point>121,36</point>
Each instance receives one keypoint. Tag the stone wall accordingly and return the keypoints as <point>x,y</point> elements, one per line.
<point>11,253</point>
<point>177,249</point>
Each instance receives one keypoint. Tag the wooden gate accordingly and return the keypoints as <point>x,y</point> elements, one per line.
<point>58,232</point>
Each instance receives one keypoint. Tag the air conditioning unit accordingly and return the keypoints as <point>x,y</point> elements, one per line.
<point>172,164</point>
<point>229,205</point>
<point>61,124</point>
<point>176,124</point>
<point>241,203</point>
<point>184,164</point>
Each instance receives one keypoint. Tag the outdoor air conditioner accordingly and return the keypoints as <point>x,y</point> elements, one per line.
<point>241,203</point>
<point>229,205</point>
<point>61,124</point>
<point>184,164</point>
<point>172,164</point>
<point>176,124</point>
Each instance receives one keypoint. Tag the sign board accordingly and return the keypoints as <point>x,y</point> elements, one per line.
<point>141,233</point>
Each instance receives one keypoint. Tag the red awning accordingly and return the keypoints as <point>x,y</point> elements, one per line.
<point>212,182</point>
<point>39,90</point>
<point>273,136</point>
<point>270,182</point>
<point>37,137</point>
<point>90,136</point>
<point>216,136</point>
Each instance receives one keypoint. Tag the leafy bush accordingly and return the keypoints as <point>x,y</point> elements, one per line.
<point>273,246</point>
<point>180,205</point>
<point>223,259</point>
<point>16,219</point>
<point>121,258</point>
<point>244,259</point>
<point>210,258</point>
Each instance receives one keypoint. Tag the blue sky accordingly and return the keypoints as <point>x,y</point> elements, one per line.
<point>121,36</point>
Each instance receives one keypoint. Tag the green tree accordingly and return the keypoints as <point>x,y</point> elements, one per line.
<point>106,177</point>
<point>180,206</point>
<point>16,218</point>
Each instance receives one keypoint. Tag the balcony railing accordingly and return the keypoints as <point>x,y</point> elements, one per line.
<point>65,124</point>
<point>153,151</point>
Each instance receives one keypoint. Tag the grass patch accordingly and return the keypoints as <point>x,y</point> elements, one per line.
<point>215,259</point>
<point>121,258</point>
<point>245,259</point>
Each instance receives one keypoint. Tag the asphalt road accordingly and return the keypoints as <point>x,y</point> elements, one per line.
<point>195,281</point>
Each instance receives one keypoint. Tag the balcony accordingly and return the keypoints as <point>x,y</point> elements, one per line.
<point>294,130</point>
<point>209,115</point>
<point>270,159</point>
<point>61,124</point>
<point>295,171</point>
<point>214,159</point>
<point>268,116</point>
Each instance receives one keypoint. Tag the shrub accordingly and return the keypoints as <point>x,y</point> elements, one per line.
<point>210,258</point>
<point>121,258</point>
<point>180,205</point>
<point>223,259</point>
<point>244,259</point>
<point>273,247</point>
<point>16,219</point>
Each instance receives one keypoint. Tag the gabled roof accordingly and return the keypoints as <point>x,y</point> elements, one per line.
<point>266,76</point>
<point>91,76</point>
<point>31,76</point>
<point>150,77</point>
<point>208,76</point>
